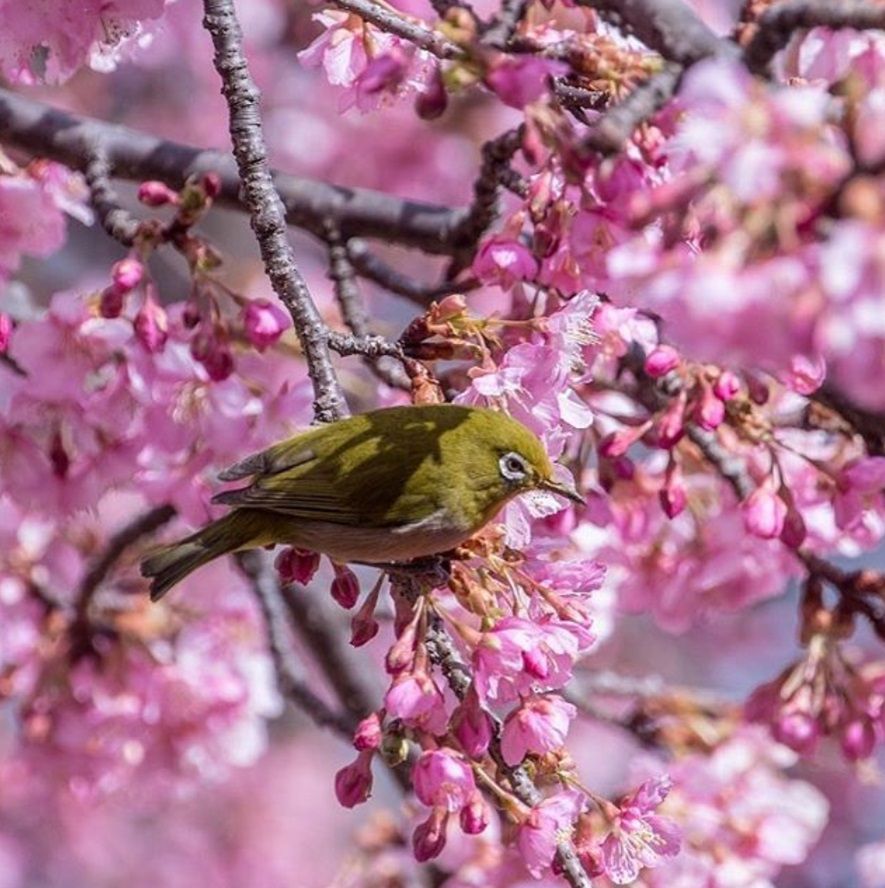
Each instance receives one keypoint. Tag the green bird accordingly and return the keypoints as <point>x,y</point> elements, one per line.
<point>382,487</point>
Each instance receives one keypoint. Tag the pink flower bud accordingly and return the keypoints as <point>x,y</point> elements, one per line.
<point>433,100</point>
<point>504,261</point>
<point>111,305</point>
<point>709,410</point>
<point>858,739</point>
<point>401,655</point>
<point>794,531</point>
<point>429,838</point>
<point>211,183</point>
<point>764,513</point>
<point>5,332</point>
<point>364,627</point>
<point>661,361</point>
<point>191,316</point>
<point>441,778</point>
<point>671,424</point>
<point>672,495</point>
<point>353,783</point>
<point>624,469</point>
<point>127,274</point>
<point>474,815</point>
<point>156,194</point>
<point>368,733</point>
<point>219,365</point>
<point>297,565</point>
<point>798,730</point>
<point>518,81</point>
<point>806,374</point>
<point>727,386</point>
<point>615,444</point>
<point>151,325</point>
<point>472,726</point>
<point>264,322</point>
<point>345,587</point>
<point>757,389</point>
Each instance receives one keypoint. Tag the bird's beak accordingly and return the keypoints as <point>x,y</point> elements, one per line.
<point>565,490</point>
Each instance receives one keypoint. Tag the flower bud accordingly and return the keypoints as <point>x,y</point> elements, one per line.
<point>671,423</point>
<point>474,815</point>
<point>615,444</point>
<point>798,730</point>
<point>151,325</point>
<point>127,274</point>
<point>297,565</point>
<point>368,734</point>
<point>433,100</point>
<point>793,532</point>
<point>264,322</point>
<point>429,838</point>
<point>709,410</point>
<point>353,783</point>
<point>156,194</point>
<point>364,627</point>
<point>661,361</point>
<point>672,494</point>
<point>727,386</point>
<point>764,513</point>
<point>472,726</point>
<point>345,587</point>
<point>111,305</point>
<point>858,739</point>
<point>211,184</point>
<point>5,332</point>
<point>441,777</point>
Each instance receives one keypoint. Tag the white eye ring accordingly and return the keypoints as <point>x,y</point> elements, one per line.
<point>513,467</point>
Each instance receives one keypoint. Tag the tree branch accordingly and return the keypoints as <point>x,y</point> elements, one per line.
<point>612,130</point>
<point>266,212</point>
<point>264,583</point>
<point>120,224</point>
<point>779,22</point>
<point>141,526</point>
<point>386,19</point>
<point>41,130</point>
<point>669,27</point>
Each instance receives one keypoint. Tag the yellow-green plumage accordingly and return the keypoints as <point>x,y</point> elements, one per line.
<point>384,486</point>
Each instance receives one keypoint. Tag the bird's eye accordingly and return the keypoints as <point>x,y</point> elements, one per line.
<point>513,467</point>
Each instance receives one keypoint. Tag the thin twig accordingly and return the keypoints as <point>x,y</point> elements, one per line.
<point>120,224</point>
<point>779,22</point>
<point>386,19</point>
<point>264,583</point>
<point>265,208</point>
<point>141,526</point>
<point>369,266</point>
<point>869,424</point>
<point>503,26</point>
<point>496,156</point>
<point>610,132</point>
<point>342,273</point>
<point>71,139</point>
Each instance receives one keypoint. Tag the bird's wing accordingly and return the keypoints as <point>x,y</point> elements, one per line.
<point>286,455</point>
<point>316,488</point>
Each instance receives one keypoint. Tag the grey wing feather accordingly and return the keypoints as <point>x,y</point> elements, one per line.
<point>266,462</point>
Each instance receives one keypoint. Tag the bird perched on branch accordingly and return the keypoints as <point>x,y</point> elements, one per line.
<point>382,487</point>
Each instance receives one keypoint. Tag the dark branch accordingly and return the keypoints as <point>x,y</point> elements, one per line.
<point>266,212</point>
<point>867,423</point>
<point>780,21</point>
<point>611,131</point>
<point>386,19</point>
<point>670,27</point>
<point>503,26</point>
<point>264,583</point>
<point>369,266</point>
<point>131,533</point>
<point>120,224</point>
<point>41,130</point>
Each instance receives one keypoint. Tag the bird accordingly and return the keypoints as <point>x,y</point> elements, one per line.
<point>383,487</point>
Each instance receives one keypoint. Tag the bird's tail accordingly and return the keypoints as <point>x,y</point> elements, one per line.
<point>170,564</point>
